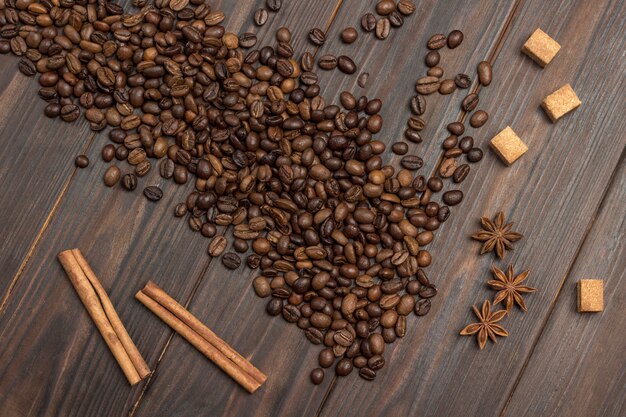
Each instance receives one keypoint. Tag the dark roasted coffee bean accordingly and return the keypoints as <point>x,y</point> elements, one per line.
<point>81,161</point>
<point>460,173</point>
<point>349,35</point>
<point>317,36</point>
<point>362,80</point>
<point>274,5</point>
<point>484,73</point>
<point>456,128</point>
<point>470,102</point>
<point>396,19</point>
<point>108,152</point>
<point>27,68</point>
<point>217,247</point>
<point>422,307</point>
<point>462,81</point>
<point>231,260</point>
<point>400,148</point>
<point>437,41</point>
<point>327,62</point>
<point>166,168</point>
<point>344,367</point>
<point>368,22</point>
<point>70,113</point>
<point>475,155</point>
<point>416,123</point>
<point>427,85</point>
<point>307,61</point>
<point>418,105</point>
<point>411,162</point>
<point>247,40</point>
<point>260,17</point>
<point>274,307</point>
<point>479,118</point>
<point>367,374</point>
<point>346,64</point>
<point>129,182</point>
<point>383,26</point>
<point>466,143</point>
<point>317,376</point>
<point>455,38</point>
<point>432,59</point>
<point>112,176</point>
<point>452,198</point>
<point>153,193</point>
<point>413,136</point>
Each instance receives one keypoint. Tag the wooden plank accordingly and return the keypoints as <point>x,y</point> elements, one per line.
<point>53,361</point>
<point>552,194</point>
<point>225,300</point>
<point>589,377</point>
<point>36,161</point>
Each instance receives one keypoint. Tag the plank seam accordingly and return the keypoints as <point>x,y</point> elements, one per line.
<point>588,230</point>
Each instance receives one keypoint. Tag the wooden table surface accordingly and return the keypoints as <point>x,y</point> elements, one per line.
<point>567,196</point>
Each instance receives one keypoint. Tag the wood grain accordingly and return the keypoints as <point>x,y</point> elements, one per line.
<point>568,165</point>
<point>578,366</point>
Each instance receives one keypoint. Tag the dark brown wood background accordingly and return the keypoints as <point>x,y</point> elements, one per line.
<point>567,196</point>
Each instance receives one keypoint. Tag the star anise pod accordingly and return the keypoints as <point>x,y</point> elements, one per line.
<point>496,234</point>
<point>510,288</point>
<point>486,326</point>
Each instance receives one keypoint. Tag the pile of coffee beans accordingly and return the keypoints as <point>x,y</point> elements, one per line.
<point>338,236</point>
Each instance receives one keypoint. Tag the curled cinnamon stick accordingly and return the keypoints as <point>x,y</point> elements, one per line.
<point>101,310</point>
<point>201,337</point>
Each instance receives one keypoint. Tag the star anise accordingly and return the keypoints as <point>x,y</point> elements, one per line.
<point>496,234</point>
<point>510,288</point>
<point>486,326</point>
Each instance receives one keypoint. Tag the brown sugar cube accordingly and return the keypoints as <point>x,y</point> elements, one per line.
<point>541,48</point>
<point>561,102</point>
<point>508,146</point>
<point>590,295</point>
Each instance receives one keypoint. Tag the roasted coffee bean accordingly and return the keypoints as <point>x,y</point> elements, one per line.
<point>368,22</point>
<point>349,35</point>
<point>112,176</point>
<point>367,374</point>
<point>362,79</point>
<point>26,67</point>
<point>462,81</point>
<point>343,367</point>
<point>274,307</point>
<point>307,61</point>
<point>411,162</point>
<point>470,102</point>
<point>484,73</point>
<point>427,85</point>
<point>385,7</point>
<point>217,246</point>
<point>435,72</point>
<point>475,155</point>
<point>432,59</point>
<point>81,161</point>
<point>437,41</point>
<point>413,136</point>
<point>247,40</point>
<point>274,5</point>
<point>452,198</point>
<point>383,26</point>
<point>460,173</point>
<point>260,17</point>
<point>108,152</point>
<point>478,118</point>
<point>456,128</point>
<point>231,260</point>
<point>418,105</point>
<point>396,19</point>
<point>317,36</point>
<point>70,113</point>
<point>129,182</point>
<point>447,87</point>
<point>406,7</point>
<point>153,193</point>
<point>166,168</point>
<point>455,38</point>
<point>422,307</point>
<point>317,376</point>
<point>466,143</point>
<point>327,62</point>
<point>346,64</point>
<point>400,148</point>
<point>416,123</point>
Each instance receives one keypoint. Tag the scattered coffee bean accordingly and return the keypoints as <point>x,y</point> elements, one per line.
<point>382,28</point>
<point>411,162</point>
<point>349,35</point>
<point>368,22</point>
<point>260,17</point>
<point>484,73</point>
<point>346,64</point>
<point>400,148</point>
<point>231,260</point>
<point>112,176</point>
<point>418,105</point>
<point>475,155</point>
<point>427,85</point>
<point>478,118</point>
<point>317,376</point>
<point>317,36</point>
<point>327,62</point>
<point>274,5</point>
<point>462,81</point>
<point>362,79</point>
<point>129,182</point>
<point>432,59</point>
<point>153,193</point>
<point>455,38</point>
<point>456,128</point>
<point>470,102</point>
<point>217,246</point>
<point>385,7</point>
<point>437,41</point>
<point>435,72</point>
<point>452,198</point>
<point>461,173</point>
<point>447,87</point>
<point>81,161</point>
<point>406,7</point>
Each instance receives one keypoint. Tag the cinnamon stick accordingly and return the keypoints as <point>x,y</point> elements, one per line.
<point>241,376</point>
<point>160,296</point>
<point>103,314</point>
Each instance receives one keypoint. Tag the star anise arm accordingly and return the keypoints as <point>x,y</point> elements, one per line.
<point>470,329</point>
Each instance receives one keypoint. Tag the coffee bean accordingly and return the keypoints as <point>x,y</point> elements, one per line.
<point>456,128</point>
<point>437,41</point>
<point>452,198</point>
<point>435,72</point>
<point>129,182</point>
<point>422,307</point>
<point>153,193</point>
<point>217,246</point>
<point>447,87</point>
<point>416,123</point>
<point>108,152</point>
<point>112,176</point>
<point>484,73</point>
<point>368,22</point>
<point>362,79</point>
<point>231,260</point>
<point>427,85</point>
<point>455,38</point>
<point>247,40</point>
<point>274,307</point>
<point>470,102</point>
<point>70,113</point>
<point>327,62</point>
<point>346,64</point>
<point>27,68</point>
<point>343,367</point>
<point>383,26</point>
<point>260,17</point>
<point>461,173</point>
<point>411,162</point>
<point>432,59</point>
<point>317,36</point>
<point>475,155</point>
<point>466,143</point>
<point>406,7</point>
<point>367,374</point>
<point>396,19</point>
<point>400,148</point>
<point>349,35</point>
<point>462,81</point>
<point>385,7</point>
<point>166,168</point>
<point>81,161</point>
<point>283,34</point>
<point>413,136</point>
<point>274,5</point>
<point>418,105</point>
<point>478,118</point>
<point>448,166</point>
<point>317,376</point>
